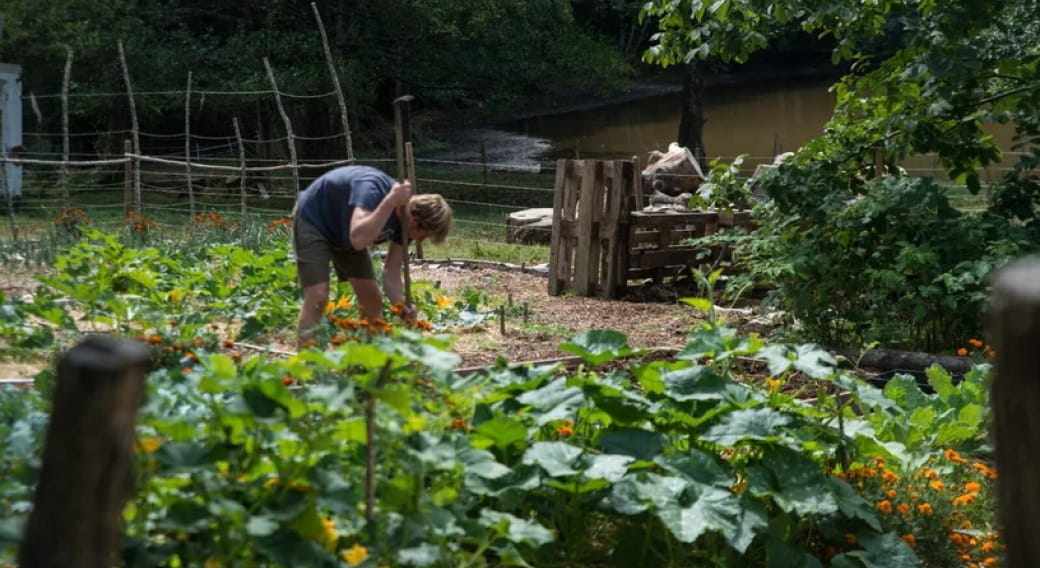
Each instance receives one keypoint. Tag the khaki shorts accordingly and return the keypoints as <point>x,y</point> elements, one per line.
<point>314,253</point>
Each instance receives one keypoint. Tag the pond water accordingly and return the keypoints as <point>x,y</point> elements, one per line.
<point>758,120</point>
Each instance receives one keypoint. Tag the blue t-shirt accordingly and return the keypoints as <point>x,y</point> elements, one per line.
<point>329,201</point>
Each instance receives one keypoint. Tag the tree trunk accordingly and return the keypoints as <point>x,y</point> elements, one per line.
<point>691,125</point>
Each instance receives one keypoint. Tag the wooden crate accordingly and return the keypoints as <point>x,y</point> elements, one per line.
<point>590,232</point>
<point>656,241</point>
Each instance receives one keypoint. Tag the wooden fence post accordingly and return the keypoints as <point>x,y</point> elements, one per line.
<point>402,131</point>
<point>288,124</point>
<point>135,130</point>
<point>187,149</point>
<point>335,82</point>
<point>85,479</point>
<point>1014,325</point>
<point>242,165</point>
<point>65,129</point>
<point>6,189</point>
<point>127,177</point>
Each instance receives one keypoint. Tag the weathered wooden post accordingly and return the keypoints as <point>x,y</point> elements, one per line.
<point>1014,323</point>
<point>85,479</point>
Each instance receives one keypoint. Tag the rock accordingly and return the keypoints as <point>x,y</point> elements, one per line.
<point>530,226</point>
<point>673,172</point>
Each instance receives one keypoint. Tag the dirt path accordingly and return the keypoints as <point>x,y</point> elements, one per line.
<point>551,319</point>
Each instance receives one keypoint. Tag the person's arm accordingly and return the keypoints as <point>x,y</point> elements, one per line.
<point>365,226</point>
<point>395,257</point>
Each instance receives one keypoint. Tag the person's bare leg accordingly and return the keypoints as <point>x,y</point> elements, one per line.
<point>370,298</point>
<point>315,297</point>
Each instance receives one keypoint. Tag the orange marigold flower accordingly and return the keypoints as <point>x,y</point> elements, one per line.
<point>962,352</point>
<point>424,325</point>
<point>890,477</point>
<point>953,456</point>
<point>565,431</point>
<point>989,561</point>
<point>337,340</point>
<point>982,468</point>
<point>925,509</point>
<point>236,357</point>
<point>155,339</point>
<point>287,380</point>
<point>885,506</point>
<point>459,424</point>
<point>850,538</point>
<point>991,353</point>
<point>869,472</point>
<point>966,499</point>
<point>937,485</point>
<point>915,496</point>
<point>987,546</point>
<point>931,474</point>
<point>909,539</point>
<point>891,493</point>
<point>975,342</point>
<point>903,509</point>
<point>972,487</point>
<point>228,344</point>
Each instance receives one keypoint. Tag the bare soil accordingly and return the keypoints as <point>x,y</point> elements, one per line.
<point>551,319</point>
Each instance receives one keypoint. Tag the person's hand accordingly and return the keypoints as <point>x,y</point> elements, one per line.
<point>400,193</point>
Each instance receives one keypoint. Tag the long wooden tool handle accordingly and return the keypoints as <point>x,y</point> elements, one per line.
<point>410,176</point>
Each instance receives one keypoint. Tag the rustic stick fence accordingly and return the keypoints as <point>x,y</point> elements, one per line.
<point>601,239</point>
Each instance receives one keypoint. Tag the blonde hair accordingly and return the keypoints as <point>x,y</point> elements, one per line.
<point>433,215</point>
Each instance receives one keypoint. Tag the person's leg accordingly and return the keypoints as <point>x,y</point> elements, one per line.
<point>370,299</point>
<point>315,297</point>
<point>313,255</point>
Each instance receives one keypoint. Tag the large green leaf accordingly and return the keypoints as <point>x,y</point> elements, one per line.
<point>422,556</point>
<point>482,464</point>
<point>814,361</point>
<point>554,401</point>
<point>698,466</point>
<point>640,444</point>
<point>697,382</point>
<point>502,432</point>
<point>750,424</point>
<point>558,459</point>
<point>597,346</point>
<point>609,467</point>
<point>881,551</point>
<point>515,529</point>
<point>794,481</point>
<point>639,492</point>
<point>776,358</point>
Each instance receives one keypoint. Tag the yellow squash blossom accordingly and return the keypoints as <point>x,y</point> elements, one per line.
<point>356,555</point>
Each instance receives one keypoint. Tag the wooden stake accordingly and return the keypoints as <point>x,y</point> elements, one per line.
<point>242,163</point>
<point>288,124</point>
<point>65,129</point>
<point>402,131</point>
<point>133,129</point>
<point>335,82</point>
<point>187,148</point>
<point>1014,322</point>
<point>86,476</point>
<point>4,187</point>
<point>502,320</point>
<point>127,178</point>
<point>370,451</point>
<point>525,312</point>
<point>409,161</point>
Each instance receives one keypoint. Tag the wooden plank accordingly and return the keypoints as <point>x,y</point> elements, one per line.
<point>556,279</point>
<point>86,476</point>
<point>611,224</point>
<point>642,237</point>
<point>586,214</point>
<point>642,219</point>
<point>637,186</point>
<point>572,184</point>
<point>597,268</point>
<point>628,185</point>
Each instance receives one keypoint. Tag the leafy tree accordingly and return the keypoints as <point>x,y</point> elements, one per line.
<point>957,67</point>
<point>489,56</point>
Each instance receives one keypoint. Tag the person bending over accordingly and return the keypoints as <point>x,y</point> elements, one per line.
<point>338,216</point>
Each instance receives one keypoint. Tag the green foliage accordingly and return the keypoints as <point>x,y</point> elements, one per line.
<point>857,256</point>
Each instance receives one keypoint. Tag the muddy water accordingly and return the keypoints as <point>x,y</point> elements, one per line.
<point>758,121</point>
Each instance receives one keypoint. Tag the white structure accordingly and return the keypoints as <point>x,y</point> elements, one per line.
<point>11,129</point>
